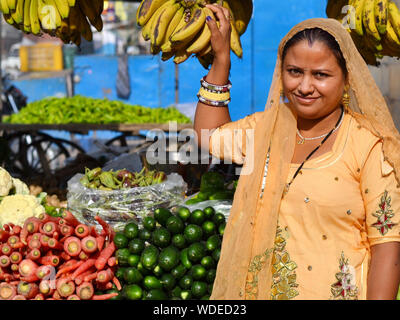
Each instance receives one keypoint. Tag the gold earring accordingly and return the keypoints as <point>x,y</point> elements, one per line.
<point>346,99</point>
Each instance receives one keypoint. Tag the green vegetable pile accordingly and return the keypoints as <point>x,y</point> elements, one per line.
<point>80,109</point>
<point>171,256</point>
<point>213,187</point>
<point>120,179</point>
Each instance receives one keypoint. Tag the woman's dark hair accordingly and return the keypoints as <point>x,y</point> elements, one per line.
<point>317,34</point>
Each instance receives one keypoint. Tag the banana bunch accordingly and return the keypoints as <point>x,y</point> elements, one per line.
<point>178,29</point>
<point>373,24</point>
<point>69,20</point>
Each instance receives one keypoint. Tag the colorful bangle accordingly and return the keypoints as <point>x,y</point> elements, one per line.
<point>213,103</point>
<point>215,88</point>
<point>214,96</point>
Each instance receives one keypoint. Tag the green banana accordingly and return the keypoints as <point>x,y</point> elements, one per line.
<point>35,24</point>
<point>18,13</point>
<point>63,8</point>
<point>4,7</point>
<point>27,16</point>
<point>369,19</point>
<point>12,4</point>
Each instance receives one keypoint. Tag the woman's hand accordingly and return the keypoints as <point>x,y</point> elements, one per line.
<point>220,36</point>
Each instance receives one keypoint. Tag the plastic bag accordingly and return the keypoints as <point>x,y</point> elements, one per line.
<point>117,207</point>
<point>222,206</point>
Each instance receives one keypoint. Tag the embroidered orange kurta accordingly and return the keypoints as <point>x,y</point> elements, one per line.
<point>341,204</point>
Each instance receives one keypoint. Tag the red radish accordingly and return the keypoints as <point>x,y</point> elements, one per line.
<point>19,297</point>
<point>68,268</point>
<point>7,291</point>
<point>44,271</point>
<point>104,276</point>
<point>66,230</point>
<point>117,283</point>
<point>49,228</point>
<point>34,254</point>
<point>85,291</point>
<point>89,244</point>
<point>83,267</point>
<point>50,260</point>
<point>15,257</point>
<point>112,261</point>
<point>105,254</point>
<point>72,246</point>
<point>104,296</point>
<point>27,268</point>
<point>82,230</point>
<point>46,287</point>
<point>34,244</point>
<point>16,230</point>
<point>4,261</point>
<point>100,242</point>
<point>73,297</point>
<point>65,287</point>
<point>70,218</point>
<point>6,249</point>
<point>27,289</point>
<point>39,296</point>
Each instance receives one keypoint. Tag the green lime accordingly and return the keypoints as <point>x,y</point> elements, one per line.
<point>120,240</point>
<point>151,282</point>
<point>142,269</point>
<point>198,272</point>
<point>205,297</point>
<point>132,275</point>
<point>197,217</point>
<point>168,281</point>
<point>213,242</point>
<point>178,271</point>
<point>161,215</point>
<point>131,230</point>
<point>196,251</point>
<point>122,256</point>
<point>161,237</point>
<point>186,282</point>
<point>193,233</point>
<point>119,273</point>
<point>149,257</point>
<point>133,260</point>
<point>179,241</point>
<point>209,212</point>
<point>207,262</point>
<point>199,289</point>
<point>169,258</point>
<point>185,258</point>
<point>221,228</point>
<point>175,225</point>
<point>136,246</point>
<point>209,228</point>
<point>149,223</point>
<point>118,297</point>
<point>133,292</point>
<point>144,234</point>
<point>186,295</point>
<point>210,288</point>
<point>210,276</point>
<point>216,254</point>
<point>218,218</point>
<point>203,195</point>
<point>184,213</point>
<point>158,271</point>
<point>176,292</point>
<point>156,294</point>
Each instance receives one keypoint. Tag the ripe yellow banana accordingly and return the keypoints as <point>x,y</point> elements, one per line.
<point>160,24</point>
<point>204,37</point>
<point>381,15</point>
<point>181,56</point>
<point>236,44</point>
<point>393,40</point>
<point>18,13</point>
<point>9,19</point>
<point>71,3</point>
<point>12,4</point>
<point>240,15</point>
<point>146,30</point>
<point>359,9</point>
<point>53,15</point>
<point>35,24</point>
<point>206,60</point>
<point>4,7</point>
<point>146,10</point>
<point>167,55</point>
<point>27,16</point>
<point>63,8</point>
<point>369,19</point>
<point>394,17</point>
<point>171,28</point>
<point>189,31</point>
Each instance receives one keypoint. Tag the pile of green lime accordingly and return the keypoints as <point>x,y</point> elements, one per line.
<point>171,256</point>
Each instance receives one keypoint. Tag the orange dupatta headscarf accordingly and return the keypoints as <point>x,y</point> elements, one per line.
<point>244,268</point>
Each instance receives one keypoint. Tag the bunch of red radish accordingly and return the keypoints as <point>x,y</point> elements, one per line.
<point>57,258</point>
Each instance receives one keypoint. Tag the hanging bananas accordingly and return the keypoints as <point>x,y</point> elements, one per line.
<point>374,26</point>
<point>69,20</point>
<point>178,28</point>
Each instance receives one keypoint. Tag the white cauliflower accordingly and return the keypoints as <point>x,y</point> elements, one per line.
<point>5,182</point>
<point>19,186</point>
<point>17,208</point>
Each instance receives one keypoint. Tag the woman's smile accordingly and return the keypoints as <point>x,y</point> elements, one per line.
<point>304,100</point>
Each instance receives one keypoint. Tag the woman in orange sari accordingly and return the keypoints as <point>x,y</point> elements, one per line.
<point>317,215</point>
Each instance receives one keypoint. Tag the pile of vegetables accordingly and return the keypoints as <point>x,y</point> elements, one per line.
<point>57,258</point>
<point>213,187</point>
<point>171,256</point>
<point>120,179</point>
<point>80,109</point>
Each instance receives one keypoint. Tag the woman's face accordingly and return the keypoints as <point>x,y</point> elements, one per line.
<point>312,79</point>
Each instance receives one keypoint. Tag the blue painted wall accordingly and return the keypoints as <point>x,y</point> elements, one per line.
<point>153,83</point>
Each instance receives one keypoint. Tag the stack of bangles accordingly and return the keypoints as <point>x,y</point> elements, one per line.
<point>214,95</point>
